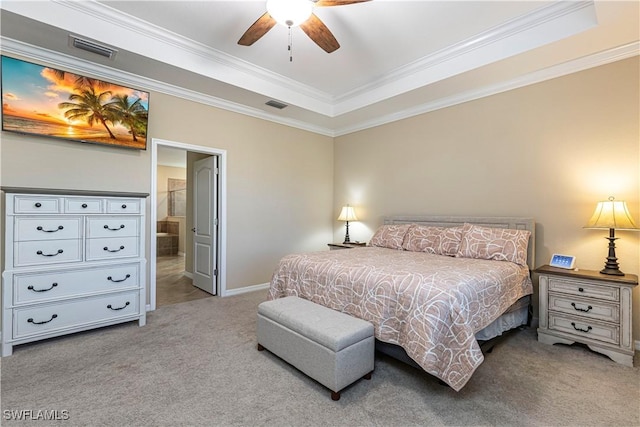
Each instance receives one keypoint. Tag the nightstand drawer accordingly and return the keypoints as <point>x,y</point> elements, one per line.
<point>588,308</point>
<point>585,328</point>
<point>584,288</point>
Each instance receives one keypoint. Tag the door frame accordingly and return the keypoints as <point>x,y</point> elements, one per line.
<point>221,261</point>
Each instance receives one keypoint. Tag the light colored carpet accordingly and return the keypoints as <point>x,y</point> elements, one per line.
<point>196,364</point>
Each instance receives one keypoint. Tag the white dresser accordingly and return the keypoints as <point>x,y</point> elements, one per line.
<point>72,262</point>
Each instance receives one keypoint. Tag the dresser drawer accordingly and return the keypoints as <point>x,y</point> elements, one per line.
<point>109,248</point>
<point>123,206</point>
<point>39,287</point>
<point>584,288</point>
<point>37,204</point>
<point>112,226</point>
<point>588,308</point>
<point>33,253</point>
<point>82,205</point>
<point>585,327</point>
<point>53,317</point>
<point>47,228</point>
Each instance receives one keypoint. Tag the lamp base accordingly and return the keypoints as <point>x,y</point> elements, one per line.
<point>612,271</point>
<point>611,266</point>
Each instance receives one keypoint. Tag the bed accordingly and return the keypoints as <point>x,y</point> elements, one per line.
<point>432,286</point>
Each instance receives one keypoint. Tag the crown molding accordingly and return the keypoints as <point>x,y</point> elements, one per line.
<point>590,61</point>
<point>542,26</point>
<point>74,64</point>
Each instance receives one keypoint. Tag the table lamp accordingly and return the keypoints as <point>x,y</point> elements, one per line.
<point>347,214</point>
<point>612,214</point>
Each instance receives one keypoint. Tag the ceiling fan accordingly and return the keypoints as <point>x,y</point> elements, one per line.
<point>292,13</point>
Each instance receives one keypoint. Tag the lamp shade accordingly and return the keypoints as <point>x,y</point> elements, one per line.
<point>347,214</point>
<point>612,214</point>
<point>290,13</point>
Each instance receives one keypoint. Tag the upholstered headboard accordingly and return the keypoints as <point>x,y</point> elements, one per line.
<point>485,221</point>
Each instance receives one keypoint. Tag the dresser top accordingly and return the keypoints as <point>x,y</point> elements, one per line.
<point>57,191</point>
<point>627,279</point>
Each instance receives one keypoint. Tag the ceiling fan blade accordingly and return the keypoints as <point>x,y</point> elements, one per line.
<point>328,3</point>
<point>320,34</point>
<point>257,30</point>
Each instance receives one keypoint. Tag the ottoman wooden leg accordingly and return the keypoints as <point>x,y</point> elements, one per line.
<point>335,395</point>
<point>368,376</point>
<point>260,348</point>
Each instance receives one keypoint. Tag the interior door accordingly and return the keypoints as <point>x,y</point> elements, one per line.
<point>205,220</point>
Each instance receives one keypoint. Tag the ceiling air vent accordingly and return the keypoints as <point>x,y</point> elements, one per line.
<point>276,104</point>
<point>93,47</point>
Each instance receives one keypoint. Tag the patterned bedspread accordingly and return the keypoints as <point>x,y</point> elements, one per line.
<point>431,305</point>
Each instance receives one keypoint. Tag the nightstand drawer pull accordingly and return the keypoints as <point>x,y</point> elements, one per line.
<point>580,329</point>
<point>117,281</point>
<point>106,248</point>
<point>57,253</point>
<point>584,310</point>
<point>119,308</point>
<point>30,320</point>
<point>113,229</point>
<point>31,288</point>
<point>39,228</point>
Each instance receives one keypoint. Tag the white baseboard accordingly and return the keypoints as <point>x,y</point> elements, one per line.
<point>246,289</point>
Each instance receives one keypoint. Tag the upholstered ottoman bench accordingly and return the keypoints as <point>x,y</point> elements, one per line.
<point>333,348</point>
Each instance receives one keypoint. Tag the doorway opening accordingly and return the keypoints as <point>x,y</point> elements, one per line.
<point>180,269</point>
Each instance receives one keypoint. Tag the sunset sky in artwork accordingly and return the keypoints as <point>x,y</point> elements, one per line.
<point>32,91</point>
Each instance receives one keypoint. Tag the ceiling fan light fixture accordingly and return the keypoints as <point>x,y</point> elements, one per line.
<point>290,13</point>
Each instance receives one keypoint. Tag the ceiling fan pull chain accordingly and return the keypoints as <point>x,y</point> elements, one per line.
<point>290,45</point>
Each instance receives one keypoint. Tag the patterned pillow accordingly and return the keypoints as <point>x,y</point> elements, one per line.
<point>390,236</point>
<point>433,240</point>
<point>494,243</point>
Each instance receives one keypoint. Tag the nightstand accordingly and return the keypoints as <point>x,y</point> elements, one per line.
<point>587,307</point>
<point>351,245</point>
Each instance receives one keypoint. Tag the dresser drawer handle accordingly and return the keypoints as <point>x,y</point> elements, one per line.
<point>106,227</point>
<point>39,228</point>
<point>117,281</point>
<point>38,205</point>
<point>580,289</point>
<point>113,250</point>
<point>30,320</point>
<point>57,253</point>
<point>119,308</point>
<point>580,329</point>
<point>124,206</point>
<point>31,288</point>
<point>584,310</point>
<point>84,206</point>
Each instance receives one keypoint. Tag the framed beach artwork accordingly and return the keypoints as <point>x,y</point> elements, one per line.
<point>39,100</point>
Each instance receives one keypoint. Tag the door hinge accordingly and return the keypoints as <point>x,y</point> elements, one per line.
<point>216,171</point>
<point>215,221</point>
<point>215,272</point>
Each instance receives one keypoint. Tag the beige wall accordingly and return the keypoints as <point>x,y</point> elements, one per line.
<point>279,179</point>
<point>549,151</point>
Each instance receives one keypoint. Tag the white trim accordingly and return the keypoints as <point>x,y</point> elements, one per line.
<point>619,53</point>
<point>246,289</point>
<point>580,64</point>
<point>222,200</point>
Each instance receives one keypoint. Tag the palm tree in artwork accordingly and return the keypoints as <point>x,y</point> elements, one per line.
<point>131,114</point>
<point>89,106</point>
